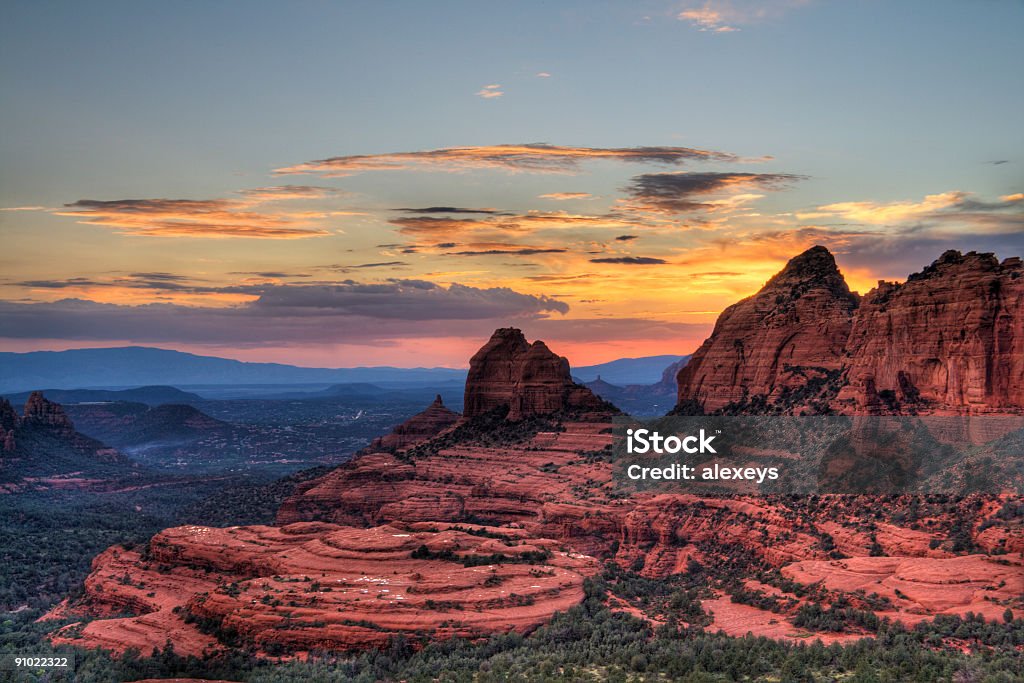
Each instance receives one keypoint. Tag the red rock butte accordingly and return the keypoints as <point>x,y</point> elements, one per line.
<point>528,379</point>
<point>949,340</point>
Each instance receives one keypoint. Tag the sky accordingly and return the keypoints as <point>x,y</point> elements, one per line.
<point>347,183</point>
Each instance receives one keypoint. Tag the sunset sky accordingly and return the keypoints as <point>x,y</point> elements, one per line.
<point>351,183</point>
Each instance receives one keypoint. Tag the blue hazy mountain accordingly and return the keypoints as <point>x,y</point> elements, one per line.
<point>150,396</point>
<point>140,366</point>
<point>626,371</point>
<point>137,365</point>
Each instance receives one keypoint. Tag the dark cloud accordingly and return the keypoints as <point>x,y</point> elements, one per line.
<point>524,251</point>
<point>535,157</point>
<point>164,277</point>
<point>450,209</point>
<point>680,192</point>
<point>631,260</point>
<point>166,282</point>
<point>348,312</point>
<point>275,274</point>
<point>286,192</point>
<point>626,238</point>
<point>382,264</point>
<point>431,226</point>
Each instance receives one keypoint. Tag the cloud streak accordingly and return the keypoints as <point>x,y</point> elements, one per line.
<point>207,218</point>
<point>565,196</point>
<point>686,192</point>
<point>534,158</point>
<point>1007,212</point>
<point>631,260</point>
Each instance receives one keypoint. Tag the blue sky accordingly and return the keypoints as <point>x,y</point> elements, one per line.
<point>860,105</point>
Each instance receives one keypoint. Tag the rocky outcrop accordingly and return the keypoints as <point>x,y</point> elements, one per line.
<point>768,346</point>
<point>41,448</point>
<point>41,412</point>
<point>544,483</point>
<point>528,379</point>
<point>292,589</point>
<point>948,340</point>
<point>420,427</point>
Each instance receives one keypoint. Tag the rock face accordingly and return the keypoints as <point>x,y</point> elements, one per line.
<point>791,332</point>
<point>301,587</point>
<point>950,339</point>
<point>528,379</point>
<point>41,412</point>
<point>418,428</point>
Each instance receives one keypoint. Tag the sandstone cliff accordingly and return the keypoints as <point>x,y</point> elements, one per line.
<point>787,335</point>
<point>528,379</point>
<point>950,339</point>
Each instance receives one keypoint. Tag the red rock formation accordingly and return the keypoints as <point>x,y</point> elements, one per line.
<point>43,444</point>
<point>950,339</point>
<point>321,586</point>
<point>362,553</point>
<point>40,411</point>
<point>792,331</point>
<point>527,378</point>
<point>545,484</point>
<point>420,427</point>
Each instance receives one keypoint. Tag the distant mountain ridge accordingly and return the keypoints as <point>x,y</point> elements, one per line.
<point>151,396</point>
<point>141,366</point>
<point>130,425</point>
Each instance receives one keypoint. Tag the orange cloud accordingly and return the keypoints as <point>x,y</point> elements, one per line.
<point>209,218</point>
<point>723,16</point>
<point>564,196</point>
<point>953,204</point>
<point>536,158</point>
<point>432,228</point>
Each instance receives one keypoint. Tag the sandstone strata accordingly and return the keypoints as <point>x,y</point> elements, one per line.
<point>790,333</point>
<point>311,586</point>
<point>948,340</point>
<point>527,379</point>
<point>950,337</point>
<point>392,541</point>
